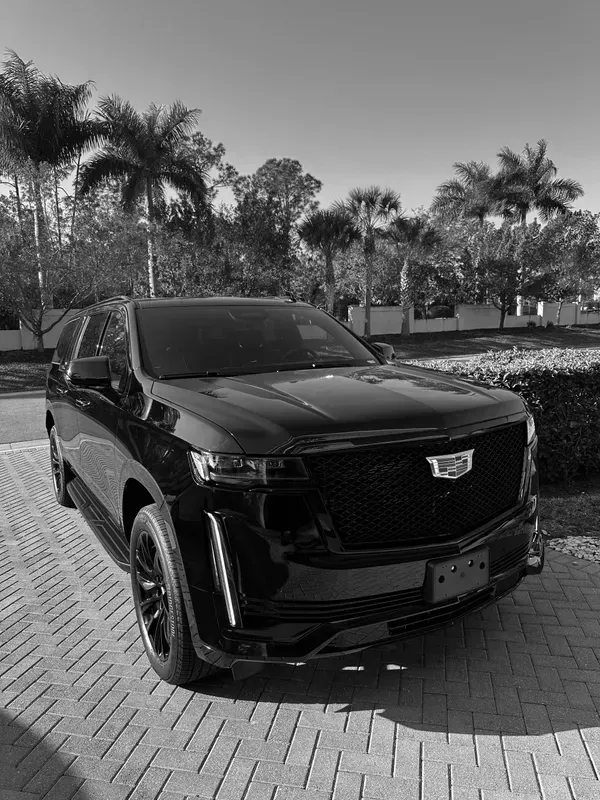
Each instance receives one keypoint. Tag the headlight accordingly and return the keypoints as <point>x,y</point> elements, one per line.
<point>245,471</point>
<point>530,429</point>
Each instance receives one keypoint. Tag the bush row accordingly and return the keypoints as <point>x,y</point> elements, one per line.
<point>562,388</point>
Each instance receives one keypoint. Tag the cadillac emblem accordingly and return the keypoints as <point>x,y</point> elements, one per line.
<point>452,466</point>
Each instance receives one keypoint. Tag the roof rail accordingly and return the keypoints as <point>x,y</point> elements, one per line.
<point>110,300</point>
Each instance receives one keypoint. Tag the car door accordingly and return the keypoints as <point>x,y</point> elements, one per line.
<point>99,416</point>
<point>61,395</point>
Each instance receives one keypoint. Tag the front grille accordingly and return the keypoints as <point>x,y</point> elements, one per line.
<point>388,496</point>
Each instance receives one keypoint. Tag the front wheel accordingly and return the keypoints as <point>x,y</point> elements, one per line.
<point>59,472</point>
<point>159,604</point>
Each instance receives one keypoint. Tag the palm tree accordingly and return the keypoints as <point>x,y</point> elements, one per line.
<point>331,232</point>
<point>41,123</point>
<point>419,237</point>
<point>371,209</point>
<point>148,152</point>
<point>475,194</point>
<point>530,183</point>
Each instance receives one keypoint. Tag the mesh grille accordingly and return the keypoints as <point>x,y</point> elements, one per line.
<point>388,496</point>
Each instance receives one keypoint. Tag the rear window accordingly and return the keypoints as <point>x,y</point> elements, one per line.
<point>65,342</point>
<point>181,341</point>
<point>91,336</point>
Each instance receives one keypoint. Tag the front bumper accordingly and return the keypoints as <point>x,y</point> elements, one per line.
<point>266,586</point>
<point>297,623</point>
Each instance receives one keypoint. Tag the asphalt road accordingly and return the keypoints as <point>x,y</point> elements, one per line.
<point>22,417</point>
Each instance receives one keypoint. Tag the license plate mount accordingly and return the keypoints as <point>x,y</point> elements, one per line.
<point>453,577</point>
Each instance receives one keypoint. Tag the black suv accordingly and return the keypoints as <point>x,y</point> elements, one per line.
<point>277,489</point>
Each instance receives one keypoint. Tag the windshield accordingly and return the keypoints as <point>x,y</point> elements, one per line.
<point>197,340</point>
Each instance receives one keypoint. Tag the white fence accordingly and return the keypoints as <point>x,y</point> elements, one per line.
<point>23,339</point>
<point>388,319</point>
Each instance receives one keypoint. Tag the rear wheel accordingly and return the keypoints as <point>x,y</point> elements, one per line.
<point>59,472</point>
<point>159,604</point>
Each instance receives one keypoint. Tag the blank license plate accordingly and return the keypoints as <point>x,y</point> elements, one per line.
<point>456,576</point>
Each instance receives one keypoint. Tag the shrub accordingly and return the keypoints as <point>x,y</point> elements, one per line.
<point>562,388</point>
<point>532,323</point>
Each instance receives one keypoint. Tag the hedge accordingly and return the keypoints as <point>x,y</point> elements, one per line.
<point>562,388</point>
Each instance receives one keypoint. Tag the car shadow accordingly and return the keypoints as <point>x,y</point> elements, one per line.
<point>30,761</point>
<point>477,676</point>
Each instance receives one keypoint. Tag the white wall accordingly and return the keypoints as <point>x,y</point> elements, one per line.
<point>388,319</point>
<point>569,313</point>
<point>384,319</point>
<point>23,339</point>
<point>28,341</point>
<point>10,340</point>
<point>435,325</point>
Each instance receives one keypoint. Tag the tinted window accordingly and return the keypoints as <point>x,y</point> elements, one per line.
<point>236,339</point>
<point>114,345</point>
<point>91,335</point>
<point>65,342</point>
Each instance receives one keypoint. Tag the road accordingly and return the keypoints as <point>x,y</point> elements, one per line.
<point>22,417</point>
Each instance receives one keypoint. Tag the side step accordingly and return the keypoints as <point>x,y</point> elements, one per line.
<point>110,537</point>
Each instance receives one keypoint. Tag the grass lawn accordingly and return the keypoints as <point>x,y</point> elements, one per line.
<point>571,512</point>
<point>464,343</point>
<point>23,370</point>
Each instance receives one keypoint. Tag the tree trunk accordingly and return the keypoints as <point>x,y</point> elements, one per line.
<point>39,338</point>
<point>404,296</point>
<point>151,242</point>
<point>368,286</point>
<point>75,195</point>
<point>329,283</point>
<point>19,207</point>
<point>37,236</point>
<point>503,311</point>
<point>558,310</point>
<point>58,223</point>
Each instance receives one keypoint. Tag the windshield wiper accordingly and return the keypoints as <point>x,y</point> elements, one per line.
<point>174,375</point>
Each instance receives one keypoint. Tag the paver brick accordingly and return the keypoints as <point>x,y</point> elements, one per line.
<point>503,705</point>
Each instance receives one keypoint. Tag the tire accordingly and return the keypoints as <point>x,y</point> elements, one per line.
<point>159,604</point>
<point>59,472</point>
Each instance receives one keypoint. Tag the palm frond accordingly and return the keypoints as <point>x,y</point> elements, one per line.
<point>104,166</point>
<point>176,123</point>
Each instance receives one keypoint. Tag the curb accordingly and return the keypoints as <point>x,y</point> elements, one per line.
<point>12,446</point>
<point>29,393</point>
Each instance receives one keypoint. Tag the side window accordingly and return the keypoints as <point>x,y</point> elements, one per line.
<point>114,345</point>
<point>65,343</point>
<point>91,335</point>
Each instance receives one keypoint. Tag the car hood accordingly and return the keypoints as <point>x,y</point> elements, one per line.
<point>265,412</point>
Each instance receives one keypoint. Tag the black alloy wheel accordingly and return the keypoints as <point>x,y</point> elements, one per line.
<point>159,603</point>
<point>59,472</point>
<point>153,598</point>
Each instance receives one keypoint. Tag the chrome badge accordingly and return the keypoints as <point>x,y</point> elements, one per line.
<point>452,466</point>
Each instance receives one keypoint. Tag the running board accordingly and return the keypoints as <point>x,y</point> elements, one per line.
<point>110,537</point>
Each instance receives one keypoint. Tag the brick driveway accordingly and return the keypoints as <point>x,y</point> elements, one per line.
<point>504,705</point>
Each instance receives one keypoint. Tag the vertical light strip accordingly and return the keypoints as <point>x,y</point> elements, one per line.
<point>225,571</point>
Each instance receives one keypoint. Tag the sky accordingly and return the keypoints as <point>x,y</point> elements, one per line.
<point>386,92</point>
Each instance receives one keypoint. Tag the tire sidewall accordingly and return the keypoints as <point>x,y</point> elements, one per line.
<point>62,496</point>
<point>145,522</point>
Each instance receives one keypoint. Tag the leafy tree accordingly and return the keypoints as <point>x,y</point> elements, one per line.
<point>417,237</point>
<point>330,231</point>
<point>269,203</point>
<point>371,209</point>
<point>530,183</point>
<point>42,125</point>
<point>148,152</point>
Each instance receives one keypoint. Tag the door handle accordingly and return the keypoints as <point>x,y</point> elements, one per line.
<point>83,403</point>
<point>61,390</point>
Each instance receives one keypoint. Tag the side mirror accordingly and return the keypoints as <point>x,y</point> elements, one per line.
<point>90,373</point>
<point>386,350</point>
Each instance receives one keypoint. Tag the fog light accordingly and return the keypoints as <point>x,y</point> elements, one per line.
<point>535,557</point>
